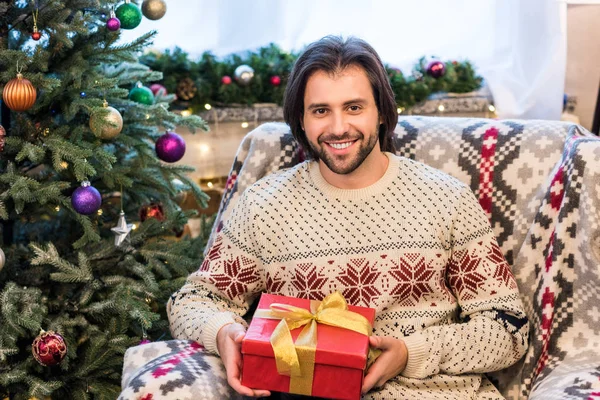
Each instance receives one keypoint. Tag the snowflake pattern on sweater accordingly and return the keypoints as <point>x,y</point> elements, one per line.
<point>416,246</point>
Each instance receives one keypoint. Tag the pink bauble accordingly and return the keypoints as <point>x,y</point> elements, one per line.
<point>157,87</point>
<point>275,80</point>
<point>226,80</point>
<point>113,24</point>
<point>436,69</point>
<point>170,147</point>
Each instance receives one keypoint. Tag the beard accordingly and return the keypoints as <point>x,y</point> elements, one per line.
<point>343,165</point>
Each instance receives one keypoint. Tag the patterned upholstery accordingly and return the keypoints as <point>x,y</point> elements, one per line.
<point>539,183</point>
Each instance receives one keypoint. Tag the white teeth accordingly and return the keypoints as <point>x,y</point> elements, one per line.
<point>340,145</point>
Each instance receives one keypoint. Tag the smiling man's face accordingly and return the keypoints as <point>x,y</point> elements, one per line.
<point>341,119</point>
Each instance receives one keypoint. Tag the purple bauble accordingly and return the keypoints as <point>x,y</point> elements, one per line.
<point>170,147</point>
<point>113,24</point>
<point>436,69</point>
<point>86,199</point>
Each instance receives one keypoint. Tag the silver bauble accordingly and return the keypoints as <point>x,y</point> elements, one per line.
<point>2,259</point>
<point>154,9</point>
<point>243,74</point>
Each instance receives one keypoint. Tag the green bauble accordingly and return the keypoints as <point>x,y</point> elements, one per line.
<point>142,95</point>
<point>129,14</point>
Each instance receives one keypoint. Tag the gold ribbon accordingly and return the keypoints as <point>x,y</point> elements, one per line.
<point>297,360</point>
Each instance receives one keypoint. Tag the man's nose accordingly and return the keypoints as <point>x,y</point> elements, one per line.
<point>339,124</point>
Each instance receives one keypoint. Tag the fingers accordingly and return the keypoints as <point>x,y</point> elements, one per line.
<point>379,342</point>
<point>233,378</point>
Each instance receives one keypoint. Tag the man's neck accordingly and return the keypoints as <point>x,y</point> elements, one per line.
<point>370,171</point>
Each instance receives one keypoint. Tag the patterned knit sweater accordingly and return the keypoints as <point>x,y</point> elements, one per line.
<point>415,245</point>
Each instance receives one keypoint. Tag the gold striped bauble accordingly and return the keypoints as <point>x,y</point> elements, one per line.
<point>19,94</point>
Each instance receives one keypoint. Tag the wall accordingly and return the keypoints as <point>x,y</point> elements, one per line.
<point>583,59</point>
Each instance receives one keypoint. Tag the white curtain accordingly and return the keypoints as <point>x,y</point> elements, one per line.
<point>518,46</point>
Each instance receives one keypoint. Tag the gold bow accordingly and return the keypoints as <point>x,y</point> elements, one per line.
<point>297,360</point>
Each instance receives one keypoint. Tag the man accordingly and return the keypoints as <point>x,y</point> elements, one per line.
<point>388,232</point>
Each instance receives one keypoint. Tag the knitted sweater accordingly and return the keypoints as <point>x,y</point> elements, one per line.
<point>415,245</point>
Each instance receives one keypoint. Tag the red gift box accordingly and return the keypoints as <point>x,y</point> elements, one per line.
<point>340,357</point>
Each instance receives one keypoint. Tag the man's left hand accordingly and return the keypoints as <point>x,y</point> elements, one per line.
<point>390,363</point>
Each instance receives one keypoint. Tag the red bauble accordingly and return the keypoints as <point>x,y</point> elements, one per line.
<point>36,35</point>
<point>275,80</point>
<point>226,80</point>
<point>49,348</point>
<point>152,211</point>
<point>436,69</point>
<point>145,341</point>
<point>157,87</point>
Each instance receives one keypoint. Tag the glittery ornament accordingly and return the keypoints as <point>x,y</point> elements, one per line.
<point>243,75</point>
<point>113,119</point>
<point>113,24</point>
<point>86,199</point>
<point>170,147</point>
<point>129,15</point>
<point>49,348</point>
<point>141,94</point>
<point>154,9</point>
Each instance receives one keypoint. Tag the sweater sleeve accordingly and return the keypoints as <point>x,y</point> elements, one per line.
<point>493,329</point>
<point>228,281</point>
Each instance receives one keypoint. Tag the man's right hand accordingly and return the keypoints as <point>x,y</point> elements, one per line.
<point>229,343</point>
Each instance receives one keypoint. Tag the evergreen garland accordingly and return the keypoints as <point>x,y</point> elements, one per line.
<point>268,61</point>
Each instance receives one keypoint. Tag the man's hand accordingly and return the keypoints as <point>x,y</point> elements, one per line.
<point>390,363</point>
<point>229,343</point>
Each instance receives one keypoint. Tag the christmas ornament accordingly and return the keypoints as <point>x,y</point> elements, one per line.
<point>49,348</point>
<point>275,80</point>
<point>154,9</point>
<point>2,259</point>
<point>417,75</point>
<point>243,74</point>
<point>157,87</point>
<point>152,210</point>
<point>170,147</point>
<point>122,229</point>
<point>113,24</point>
<point>141,94</point>
<point>86,199</point>
<point>129,15</point>
<point>2,138</point>
<point>436,69</point>
<point>186,89</point>
<point>83,95</point>
<point>36,35</point>
<point>114,120</point>
<point>226,80</point>
<point>19,94</point>
<point>145,341</point>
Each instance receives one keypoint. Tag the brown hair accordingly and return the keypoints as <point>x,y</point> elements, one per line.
<point>333,54</point>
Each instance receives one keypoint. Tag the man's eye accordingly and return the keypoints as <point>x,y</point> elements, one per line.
<point>320,111</point>
<point>354,108</point>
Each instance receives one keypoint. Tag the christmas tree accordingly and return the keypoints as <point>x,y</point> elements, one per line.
<point>83,151</point>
